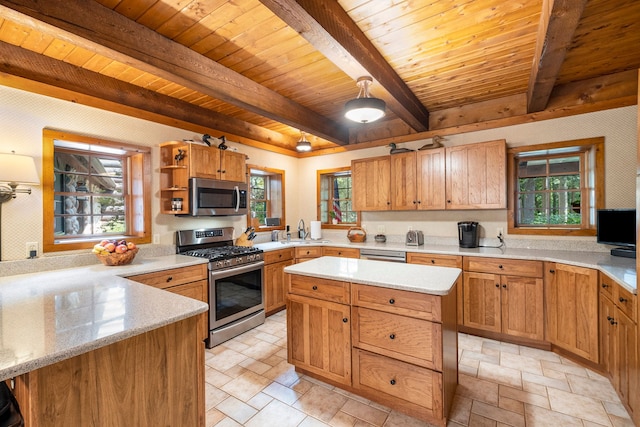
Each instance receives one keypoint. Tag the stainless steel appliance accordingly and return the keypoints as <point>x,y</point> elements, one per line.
<point>382,255</point>
<point>415,238</point>
<point>468,234</point>
<point>236,281</point>
<point>211,197</point>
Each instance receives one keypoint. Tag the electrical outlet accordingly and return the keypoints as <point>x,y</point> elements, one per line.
<point>32,249</point>
<point>381,229</point>
<point>156,239</point>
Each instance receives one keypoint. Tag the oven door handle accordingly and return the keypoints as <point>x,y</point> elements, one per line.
<point>220,274</point>
<point>237,197</point>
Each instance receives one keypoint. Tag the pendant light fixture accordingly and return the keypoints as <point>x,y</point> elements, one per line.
<point>303,145</point>
<point>364,109</point>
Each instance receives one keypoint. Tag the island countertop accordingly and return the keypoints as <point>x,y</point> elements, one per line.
<point>409,277</point>
<point>52,316</point>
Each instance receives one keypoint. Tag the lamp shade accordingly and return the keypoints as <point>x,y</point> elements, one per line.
<point>303,145</point>
<point>19,169</point>
<point>364,110</point>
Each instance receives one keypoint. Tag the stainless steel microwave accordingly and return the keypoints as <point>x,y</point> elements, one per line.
<point>211,197</point>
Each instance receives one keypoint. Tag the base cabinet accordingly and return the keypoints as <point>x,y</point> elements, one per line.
<point>572,309</point>
<point>275,288</point>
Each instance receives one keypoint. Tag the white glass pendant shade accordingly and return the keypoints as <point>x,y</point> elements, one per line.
<point>303,145</point>
<point>364,109</point>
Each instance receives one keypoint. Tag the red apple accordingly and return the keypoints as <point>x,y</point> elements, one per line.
<point>110,247</point>
<point>131,245</point>
<point>120,249</point>
<point>103,242</point>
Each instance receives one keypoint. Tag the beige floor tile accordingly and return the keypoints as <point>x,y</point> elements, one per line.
<point>539,354</point>
<point>261,350</point>
<point>236,409</point>
<point>228,422</point>
<point>282,393</point>
<point>245,386</point>
<point>481,357</point>
<point>624,421</point>
<point>276,414</point>
<point>500,374</point>
<point>578,406</point>
<point>590,387</point>
<point>479,421</point>
<point>321,403</point>
<point>511,405</point>
<point>255,366</point>
<point>364,412</point>
<point>534,388</point>
<point>342,419</point>
<point>312,422</point>
<point>521,363</point>
<point>498,414</point>
<point>615,408</point>
<point>503,347</point>
<point>213,395</point>
<point>545,381</point>
<point>283,373</point>
<point>225,360</point>
<point>396,419</point>
<point>461,409</point>
<point>567,368</point>
<point>260,400</point>
<point>213,417</point>
<point>470,342</point>
<point>524,396</point>
<point>536,416</point>
<point>478,389</point>
<point>215,377</point>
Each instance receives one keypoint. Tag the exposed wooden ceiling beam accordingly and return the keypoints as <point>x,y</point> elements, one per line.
<point>558,23</point>
<point>101,30</point>
<point>327,26</point>
<point>35,67</point>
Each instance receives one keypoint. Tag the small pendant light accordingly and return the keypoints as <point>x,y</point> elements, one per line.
<point>303,145</point>
<point>364,109</point>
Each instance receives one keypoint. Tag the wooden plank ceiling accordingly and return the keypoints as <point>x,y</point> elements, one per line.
<point>260,71</point>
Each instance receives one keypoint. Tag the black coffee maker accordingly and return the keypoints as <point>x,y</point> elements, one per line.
<point>468,234</point>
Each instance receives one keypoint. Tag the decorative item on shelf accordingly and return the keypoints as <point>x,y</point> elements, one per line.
<point>180,156</point>
<point>436,142</point>
<point>396,150</point>
<point>15,170</point>
<point>380,238</point>
<point>303,145</point>
<point>115,259</point>
<point>176,204</point>
<point>223,144</point>
<point>364,108</point>
<point>356,235</point>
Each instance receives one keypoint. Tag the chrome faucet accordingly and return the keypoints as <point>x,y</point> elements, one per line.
<point>301,232</point>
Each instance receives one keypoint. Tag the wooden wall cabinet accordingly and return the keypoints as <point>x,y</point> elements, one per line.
<point>274,279</point>
<point>619,341</point>
<point>371,186</point>
<point>477,176</point>
<point>572,309</point>
<point>504,296</point>
<point>418,180</point>
<point>320,342</point>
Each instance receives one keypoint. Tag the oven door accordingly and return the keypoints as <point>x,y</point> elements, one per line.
<point>235,293</point>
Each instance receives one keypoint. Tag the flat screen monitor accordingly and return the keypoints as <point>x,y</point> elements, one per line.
<point>617,227</point>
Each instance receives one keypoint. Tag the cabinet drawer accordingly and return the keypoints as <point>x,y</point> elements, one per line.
<point>341,252</point>
<point>607,286</point>
<point>309,252</point>
<point>515,267</point>
<point>418,386</point>
<point>328,290</point>
<point>279,255</point>
<point>406,303</point>
<point>626,302</point>
<point>431,259</point>
<point>175,276</point>
<point>406,338</point>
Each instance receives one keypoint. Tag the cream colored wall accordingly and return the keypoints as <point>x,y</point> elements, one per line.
<point>23,115</point>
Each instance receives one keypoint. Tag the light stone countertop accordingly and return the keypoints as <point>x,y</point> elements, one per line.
<point>51,316</point>
<point>622,270</point>
<point>409,277</point>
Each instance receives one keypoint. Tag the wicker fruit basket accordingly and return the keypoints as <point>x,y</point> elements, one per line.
<point>356,235</point>
<point>118,259</point>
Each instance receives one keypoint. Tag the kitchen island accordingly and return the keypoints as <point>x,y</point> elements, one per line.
<point>384,331</point>
<point>89,347</point>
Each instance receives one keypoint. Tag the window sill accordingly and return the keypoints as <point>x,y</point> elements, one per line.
<point>552,231</point>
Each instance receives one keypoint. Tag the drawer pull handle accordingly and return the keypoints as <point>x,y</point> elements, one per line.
<point>497,285</point>
<point>392,382</point>
<point>504,286</point>
<point>345,320</point>
<point>605,286</point>
<point>613,322</point>
<point>392,301</point>
<point>609,318</point>
<point>315,288</point>
<point>622,299</point>
<point>552,271</point>
<point>500,266</point>
<point>170,278</point>
<point>392,336</point>
<point>433,261</point>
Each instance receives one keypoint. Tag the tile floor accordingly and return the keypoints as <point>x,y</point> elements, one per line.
<point>249,383</point>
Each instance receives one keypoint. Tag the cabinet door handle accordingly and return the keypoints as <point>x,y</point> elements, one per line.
<point>345,320</point>
<point>613,322</point>
<point>170,278</point>
<point>392,382</point>
<point>622,299</point>
<point>609,318</point>
<point>392,301</point>
<point>497,285</point>
<point>604,286</point>
<point>315,288</point>
<point>500,267</point>
<point>392,336</point>
<point>504,286</point>
<point>552,271</point>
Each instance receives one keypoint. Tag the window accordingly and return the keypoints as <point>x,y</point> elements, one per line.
<point>266,187</point>
<point>94,189</point>
<point>335,207</point>
<point>556,188</point>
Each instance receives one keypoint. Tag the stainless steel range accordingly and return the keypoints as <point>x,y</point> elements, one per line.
<point>236,281</point>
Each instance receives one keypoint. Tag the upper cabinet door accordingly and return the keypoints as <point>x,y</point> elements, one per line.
<point>204,162</point>
<point>476,176</point>
<point>370,183</point>
<point>233,166</point>
<point>430,172</point>
<point>403,181</point>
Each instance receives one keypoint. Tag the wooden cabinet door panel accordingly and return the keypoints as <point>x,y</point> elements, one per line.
<point>522,307</point>
<point>233,166</point>
<point>626,366</point>
<point>371,181</point>
<point>204,162</point>
<point>403,181</point>
<point>607,337</point>
<point>275,286</point>
<point>481,301</point>
<point>321,340</point>
<point>430,173</point>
